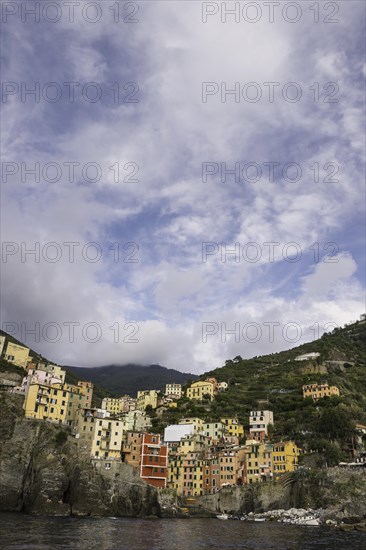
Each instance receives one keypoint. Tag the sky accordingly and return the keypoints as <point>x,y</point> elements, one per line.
<point>181,184</point>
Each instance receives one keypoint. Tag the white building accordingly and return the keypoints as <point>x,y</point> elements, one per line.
<point>307,356</point>
<point>259,422</point>
<point>173,390</point>
<point>214,430</point>
<point>175,432</point>
<point>37,376</point>
<point>136,421</point>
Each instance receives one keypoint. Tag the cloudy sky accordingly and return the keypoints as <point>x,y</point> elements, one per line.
<point>191,182</point>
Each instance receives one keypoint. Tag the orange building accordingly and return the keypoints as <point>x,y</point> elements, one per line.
<point>154,460</point>
<point>131,448</point>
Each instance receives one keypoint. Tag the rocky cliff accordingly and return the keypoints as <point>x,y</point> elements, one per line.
<point>42,472</point>
<point>339,493</point>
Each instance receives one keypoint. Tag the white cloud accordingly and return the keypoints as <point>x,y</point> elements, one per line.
<point>170,212</point>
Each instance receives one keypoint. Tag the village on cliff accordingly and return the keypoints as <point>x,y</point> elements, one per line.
<point>194,457</point>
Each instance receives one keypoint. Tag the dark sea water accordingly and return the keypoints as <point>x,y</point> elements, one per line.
<point>18,532</point>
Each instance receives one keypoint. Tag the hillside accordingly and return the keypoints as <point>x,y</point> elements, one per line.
<point>275,382</point>
<point>128,379</point>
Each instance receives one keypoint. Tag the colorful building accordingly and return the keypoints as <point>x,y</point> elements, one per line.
<point>154,460</point>
<point>146,398</point>
<point>85,426</point>
<point>198,423</point>
<point>87,391</point>
<point>107,440</point>
<point>136,421</point>
<point>317,391</point>
<point>173,390</point>
<point>195,443</point>
<point>131,448</point>
<point>233,427</point>
<point>57,402</point>
<point>198,390</point>
<point>231,464</point>
<point>18,355</point>
<point>45,402</point>
<point>258,462</point>
<point>214,431</point>
<point>119,405</point>
<point>285,457</point>
<point>258,424</point>
<point>175,432</point>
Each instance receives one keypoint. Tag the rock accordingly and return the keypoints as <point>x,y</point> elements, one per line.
<point>40,476</point>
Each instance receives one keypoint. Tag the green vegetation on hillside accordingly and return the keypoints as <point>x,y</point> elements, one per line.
<point>275,382</point>
<point>128,379</point>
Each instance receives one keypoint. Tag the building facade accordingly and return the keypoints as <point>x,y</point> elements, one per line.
<point>258,424</point>
<point>317,391</point>
<point>285,458</point>
<point>154,460</point>
<point>146,398</point>
<point>18,355</point>
<point>173,390</point>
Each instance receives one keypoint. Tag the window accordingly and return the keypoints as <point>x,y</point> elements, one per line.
<point>52,409</point>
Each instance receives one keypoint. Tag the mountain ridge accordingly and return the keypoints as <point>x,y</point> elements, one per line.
<point>131,377</point>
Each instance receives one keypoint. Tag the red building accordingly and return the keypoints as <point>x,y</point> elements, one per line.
<point>154,461</point>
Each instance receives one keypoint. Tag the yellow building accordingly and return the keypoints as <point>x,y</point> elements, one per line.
<point>57,402</point>
<point>231,462</point>
<point>199,389</point>
<point>79,398</point>
<point>147,397</point>
<point>258,462</point>
<point>44,402</point>
<point>114,405</point>
<point>19,355</point>
<point>56,371</point>
<point>107,440</point>
<point>232,427</point>
<point>85,426</point>
<point>285,457</point>
<point>317,391</point>
<point>193,467</point>
<point>175,473</point>
<point>87,391</point>
<point>195,443</point>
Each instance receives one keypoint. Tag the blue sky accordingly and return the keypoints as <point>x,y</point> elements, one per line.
<point>160,282</point>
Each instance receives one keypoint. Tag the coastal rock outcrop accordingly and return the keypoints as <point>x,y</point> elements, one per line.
<point>42,472</point>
